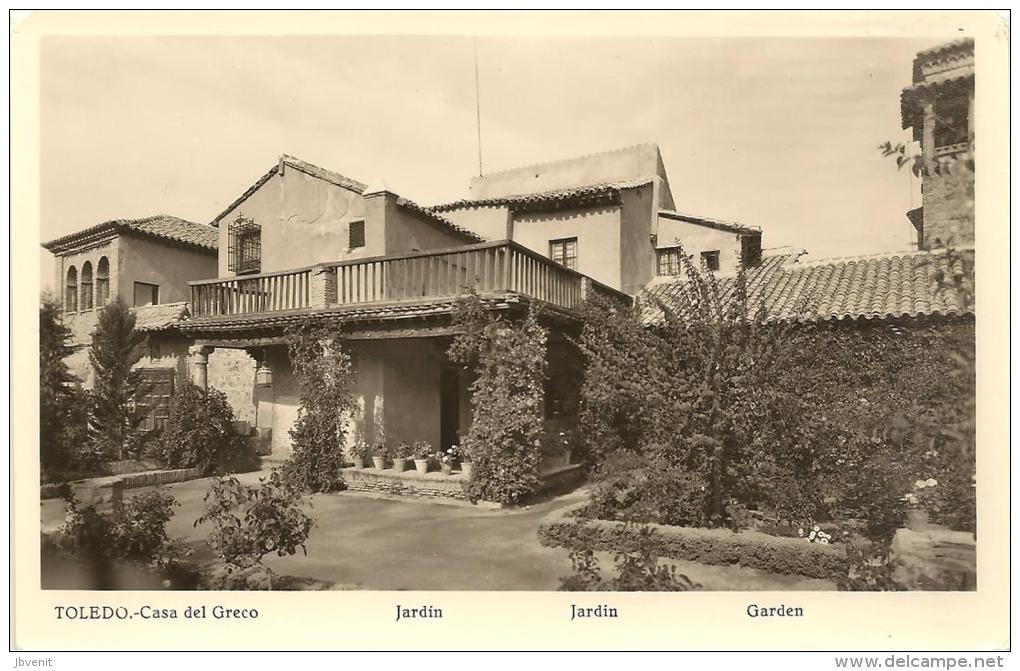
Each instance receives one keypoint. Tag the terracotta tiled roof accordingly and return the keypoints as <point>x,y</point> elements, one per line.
<point>305,167</point>
<point>159,317</point>
<point>888,286</point>
<point>731,226</point>
<point>963,43</point>
<point>424,308</point>
<point>162,226</point>
<point>581,195</point>
<point>437,218</point>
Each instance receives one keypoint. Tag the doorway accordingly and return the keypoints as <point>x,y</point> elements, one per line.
<point>449,406</point>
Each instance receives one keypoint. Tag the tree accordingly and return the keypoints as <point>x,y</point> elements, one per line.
<point>116,348</point>
<point>62,419</point>
<point>690,412</point>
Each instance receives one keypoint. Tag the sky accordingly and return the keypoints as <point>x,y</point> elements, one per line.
<point>779,133</point>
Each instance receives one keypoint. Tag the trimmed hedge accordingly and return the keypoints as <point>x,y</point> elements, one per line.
<point>751,549</point>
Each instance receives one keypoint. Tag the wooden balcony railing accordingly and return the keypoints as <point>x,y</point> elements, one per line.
<point>484,268</point>
<point>249,294</point>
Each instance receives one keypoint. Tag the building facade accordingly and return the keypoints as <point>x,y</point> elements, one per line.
<point>939,107</point>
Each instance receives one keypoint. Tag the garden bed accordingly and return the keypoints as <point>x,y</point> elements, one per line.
<point>752,549</point>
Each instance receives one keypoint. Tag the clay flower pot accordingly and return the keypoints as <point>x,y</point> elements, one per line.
<point>379,462</point>
<point>421,465</point>
<point>465,468</point>
<point>400,464</point>
<point>359,462</point>
<point>446,468</point>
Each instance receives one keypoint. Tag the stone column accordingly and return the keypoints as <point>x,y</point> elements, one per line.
<point>200,365</point>
<point>928,136</point>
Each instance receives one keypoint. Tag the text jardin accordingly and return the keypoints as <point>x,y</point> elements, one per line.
<point>602,610</point>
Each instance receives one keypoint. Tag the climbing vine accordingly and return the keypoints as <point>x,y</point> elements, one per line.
<point>325,376</point>
<point>509,358</point>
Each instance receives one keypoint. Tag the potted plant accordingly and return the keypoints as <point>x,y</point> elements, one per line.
<point>422,451</point>
<point>360,453</point>
<point>379,454</point>
<point>465,460</point>
<point>400,457</point>
<point>446,460</point>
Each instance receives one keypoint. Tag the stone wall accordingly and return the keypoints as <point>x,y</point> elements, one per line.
<point>948,210</point>
<point>407,483</point>
<point>232,371</point>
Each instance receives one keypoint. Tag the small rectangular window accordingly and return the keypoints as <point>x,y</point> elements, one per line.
<point>564,252</point>
<point>667,261</point>
<point>710,260</point>
<point>244,251</point>
<point>356,235</point>
<point>146,294</point>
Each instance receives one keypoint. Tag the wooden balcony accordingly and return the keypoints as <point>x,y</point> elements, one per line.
<point>492,267</point>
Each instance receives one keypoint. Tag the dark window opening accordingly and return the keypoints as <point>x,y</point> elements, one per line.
<point>750,250</point>
<point>244,248</point>
<point>146,294</point>
<point>951,120</point>
<point>86,286</point>
<point>564,252</point>
<point>103,282</point>
<point>153,397</point>
<point>356,235</point>
<point>71,291</point>
<point>710,260</point>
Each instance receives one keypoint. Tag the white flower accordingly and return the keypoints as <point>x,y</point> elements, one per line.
<point>800,532</point>
<point>919,484</point>
<point>931,482</point>
<point>824,541</point>
<point>816,527</point>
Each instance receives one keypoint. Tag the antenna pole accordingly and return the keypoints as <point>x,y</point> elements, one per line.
<point>478,111</point>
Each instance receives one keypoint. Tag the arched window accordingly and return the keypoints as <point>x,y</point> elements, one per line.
<point>86,286</point>
<point>103,282</point>
<point>71,291</point>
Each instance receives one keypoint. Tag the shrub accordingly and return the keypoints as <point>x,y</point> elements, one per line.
<point>805,422</point>
<point>637,569</point>
<point>507,400</point>
<point>199,433</point>
<point>870,570</point>
<point>134,531</point>
<point>323,370</point>
<point>250,522</point>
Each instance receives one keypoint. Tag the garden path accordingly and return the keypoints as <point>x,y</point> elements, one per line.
<point>370,542</point>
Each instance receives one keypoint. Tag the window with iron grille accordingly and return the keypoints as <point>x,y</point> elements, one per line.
<point>153,396</point>
<point>710,260</point>
<point>564,252</point>
<point>356,235</point>
<point>244,248</point>
<point>667,261</point>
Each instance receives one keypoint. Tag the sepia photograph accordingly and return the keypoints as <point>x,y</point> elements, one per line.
<point>486,311</point>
